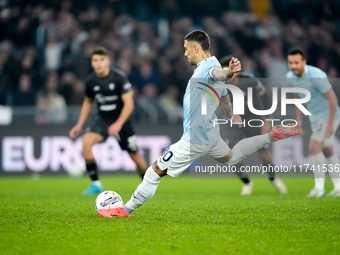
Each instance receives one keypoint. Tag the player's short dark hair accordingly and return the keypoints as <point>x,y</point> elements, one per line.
<point>100,51</point>
<point>201,37</point>
<point>296,51</point>
<point>225,60</point>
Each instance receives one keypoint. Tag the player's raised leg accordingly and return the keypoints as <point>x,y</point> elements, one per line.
<point>249,145</point>
<point>90,139</point>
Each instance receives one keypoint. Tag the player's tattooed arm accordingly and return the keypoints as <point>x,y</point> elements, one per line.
<point>227,73</point>
<point>227,106</point>
<point>222,74</point>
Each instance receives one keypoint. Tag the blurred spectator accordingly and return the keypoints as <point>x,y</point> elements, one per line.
<point>145,74</point>
<point>28,65</point>
<point>83,61</point>
<point>4,78</point>
<point>78,94</point>
<point>51,105</point>
<point>53,53</point>
<point>22,35</point>
<point>150,91</point>
<point>67,82</point>
<point>24,95</point>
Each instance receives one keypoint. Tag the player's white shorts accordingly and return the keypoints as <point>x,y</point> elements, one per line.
<point>178,157</point>
<point>319,133</point>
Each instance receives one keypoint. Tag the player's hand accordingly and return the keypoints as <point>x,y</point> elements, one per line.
<point>329,130</point>
<point>75,131</point>
<point>235,65</point>
<point>237,120</point>
<point>114,129</point>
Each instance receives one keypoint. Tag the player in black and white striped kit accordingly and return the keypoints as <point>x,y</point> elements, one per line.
<point>113,94</point>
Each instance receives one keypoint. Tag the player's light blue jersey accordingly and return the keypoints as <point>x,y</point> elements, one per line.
<point>199,128</point>
<point>315,80</point>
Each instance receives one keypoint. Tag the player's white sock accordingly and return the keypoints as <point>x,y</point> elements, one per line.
<point>247,146</point>
<point>97,183</point>
<point>334,170</point>
<point>319,175</point>
<point>144,191</point>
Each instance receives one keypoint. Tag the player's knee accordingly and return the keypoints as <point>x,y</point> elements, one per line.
<point>328,152</point>
<point>134,155</point>
<point>87,148</point>
<point>158,171</point>
<point>87,155</point>
<point>315,147</point>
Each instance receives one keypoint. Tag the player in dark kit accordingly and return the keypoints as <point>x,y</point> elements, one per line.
<point>245,80</point>
<point>114,96</point>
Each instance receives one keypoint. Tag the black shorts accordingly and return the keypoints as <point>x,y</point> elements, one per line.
<point>126,137</point>
<point>236,134</point>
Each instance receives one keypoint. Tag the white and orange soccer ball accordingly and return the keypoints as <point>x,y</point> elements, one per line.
<point>108,199</point>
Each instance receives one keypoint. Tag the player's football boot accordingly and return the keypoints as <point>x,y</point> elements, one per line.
<point>316,193</point>
<point>113,212</point>
<point>280,186</point>
<point>281,132</point>
<point>247,189</point>
<point>334,193</point>
<point>93,189</point>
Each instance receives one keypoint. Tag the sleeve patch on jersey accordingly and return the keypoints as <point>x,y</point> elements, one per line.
<point>212,69</point>
<point>127,85</point>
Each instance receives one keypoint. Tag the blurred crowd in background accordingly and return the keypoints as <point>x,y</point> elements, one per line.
<point>45,46</point>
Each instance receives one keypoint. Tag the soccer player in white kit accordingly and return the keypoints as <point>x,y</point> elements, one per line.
<point>324,120</point>
<point>200,136</point>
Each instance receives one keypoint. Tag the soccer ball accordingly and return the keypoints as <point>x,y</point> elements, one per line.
<point>108,199</point>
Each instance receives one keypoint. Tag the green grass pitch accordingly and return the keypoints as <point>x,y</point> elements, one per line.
<point>186,216</point>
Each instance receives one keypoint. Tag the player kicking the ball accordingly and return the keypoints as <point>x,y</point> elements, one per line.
<point>114,96</point>
<point>200,136</point>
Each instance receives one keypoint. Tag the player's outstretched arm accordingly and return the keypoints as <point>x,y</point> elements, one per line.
<point>124,114</point>
<point>227,73</point>
<point>85,111</point>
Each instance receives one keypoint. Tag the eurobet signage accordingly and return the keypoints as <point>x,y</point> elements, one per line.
<point>61,152</point>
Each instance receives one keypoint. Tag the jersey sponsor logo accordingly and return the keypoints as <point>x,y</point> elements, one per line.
<point>96,88</point>
<point>127,85</point>
<point>111,86</point>
<point>100,98</point>
<point>111,98</point>
<point>108,107</point>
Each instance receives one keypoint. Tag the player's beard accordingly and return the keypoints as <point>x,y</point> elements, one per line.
<point>192,62</point>
<point>298,72</point>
